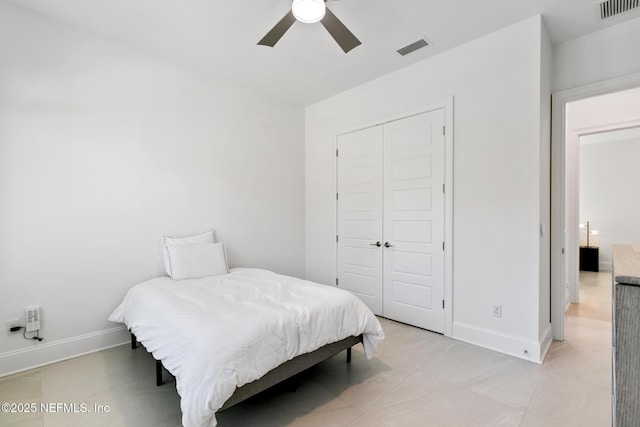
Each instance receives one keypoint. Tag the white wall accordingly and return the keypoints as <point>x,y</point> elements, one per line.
<point>544,299</point>
<point>603,55</point>
<point>609,177</point>
<point>497,89</point>
<point>105,149</point>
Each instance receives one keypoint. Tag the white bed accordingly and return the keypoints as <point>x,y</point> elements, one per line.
<point>221,332</point>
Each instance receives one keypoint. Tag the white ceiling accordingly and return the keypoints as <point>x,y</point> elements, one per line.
<point>306,66</point>
<point>619,110</point>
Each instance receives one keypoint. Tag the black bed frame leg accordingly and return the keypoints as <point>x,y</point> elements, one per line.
<point>158,373</point>
<point>349,355</point>
<point>134,345</point>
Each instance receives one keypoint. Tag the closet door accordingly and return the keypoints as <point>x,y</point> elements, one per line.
<point>414,220</point>
<point>360,215</point>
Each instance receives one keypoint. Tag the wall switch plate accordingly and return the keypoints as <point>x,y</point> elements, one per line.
<point>13,323</point>
<point>32,319</point>
<point>496,310</point>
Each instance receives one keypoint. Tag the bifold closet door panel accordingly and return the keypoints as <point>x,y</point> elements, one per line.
<point>359,249</point>
<point>413,220</point>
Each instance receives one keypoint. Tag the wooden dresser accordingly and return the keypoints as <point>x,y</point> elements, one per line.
<point>625,402</point>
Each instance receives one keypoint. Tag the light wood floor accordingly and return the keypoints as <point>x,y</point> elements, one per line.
<point>417,378</point>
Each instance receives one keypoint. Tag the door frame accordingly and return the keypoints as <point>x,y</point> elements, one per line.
<point>560,243</point>
<point>447,105</point>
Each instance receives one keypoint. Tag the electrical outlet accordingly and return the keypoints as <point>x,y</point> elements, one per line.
<point>14,323</point>
<point>32,319</point>
<point>496,310</point>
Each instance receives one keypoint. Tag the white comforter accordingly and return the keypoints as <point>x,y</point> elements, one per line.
<point>221,332</point>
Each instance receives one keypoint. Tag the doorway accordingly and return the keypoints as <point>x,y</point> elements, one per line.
<point>587,104</point>
<point>608,207</point>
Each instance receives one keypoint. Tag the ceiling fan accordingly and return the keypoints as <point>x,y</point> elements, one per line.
<point>310,11</point>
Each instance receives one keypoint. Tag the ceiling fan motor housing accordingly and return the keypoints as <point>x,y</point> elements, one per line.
<point>308,11</point>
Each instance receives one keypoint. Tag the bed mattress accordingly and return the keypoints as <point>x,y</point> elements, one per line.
<point>220,332</point>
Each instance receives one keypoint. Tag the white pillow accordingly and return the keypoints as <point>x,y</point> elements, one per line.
<point>206,237</point>
<point>196,261</point>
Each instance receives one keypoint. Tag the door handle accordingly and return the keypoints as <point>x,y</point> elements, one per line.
<point>387,245</point>
<point>375,244</point>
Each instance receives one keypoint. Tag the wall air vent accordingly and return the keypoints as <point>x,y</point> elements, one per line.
<point>412,47</point>
<point>611,8</point>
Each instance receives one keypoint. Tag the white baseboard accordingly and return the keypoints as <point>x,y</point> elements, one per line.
<point>605,266</point>
<point>498,341</point>
<point>546,339</point>
<point>45,353</point>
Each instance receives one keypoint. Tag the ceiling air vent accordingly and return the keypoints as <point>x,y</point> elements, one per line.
<point>412,47</point>
<point>611,8</point>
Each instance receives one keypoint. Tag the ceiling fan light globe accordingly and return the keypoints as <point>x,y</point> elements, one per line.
<point>308,11</point>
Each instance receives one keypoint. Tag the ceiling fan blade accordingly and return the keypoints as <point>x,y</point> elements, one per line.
<point>278,31</point>
<point>339,32</point>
